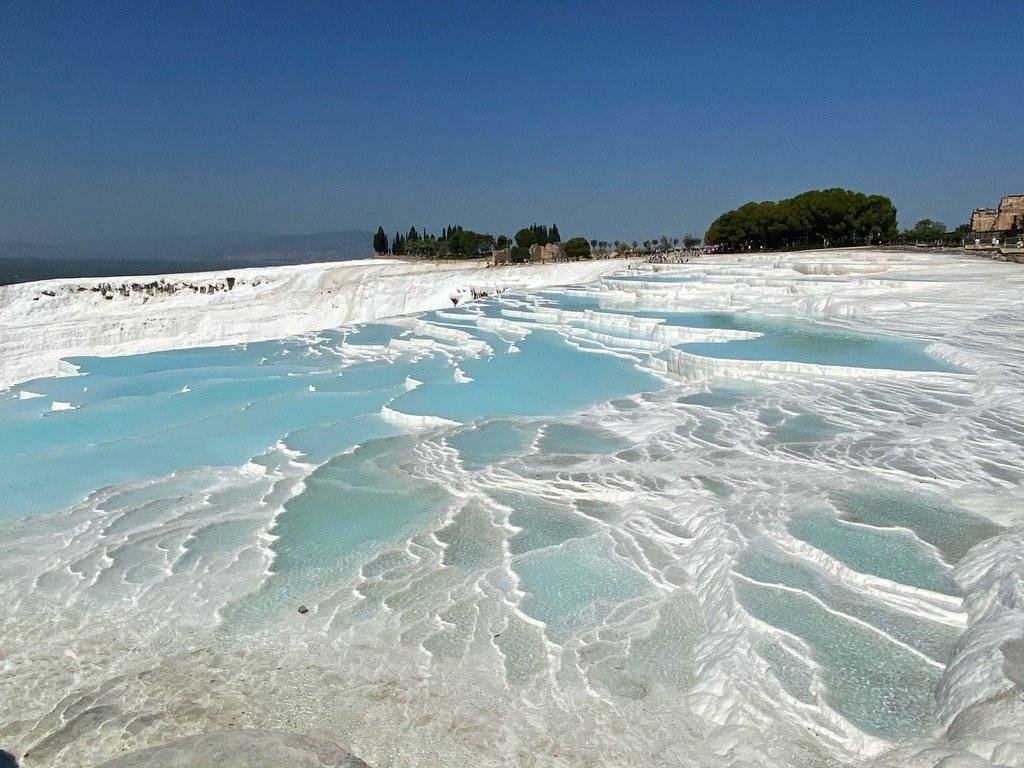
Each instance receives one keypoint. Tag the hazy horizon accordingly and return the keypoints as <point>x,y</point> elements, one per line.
<point>23,261</point>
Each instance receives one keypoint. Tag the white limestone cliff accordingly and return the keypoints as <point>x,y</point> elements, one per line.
<point>44,322</point>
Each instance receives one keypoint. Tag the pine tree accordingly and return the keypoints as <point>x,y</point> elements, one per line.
<point>553,236</point>
<point>380,241</point>
<point>525,237</point>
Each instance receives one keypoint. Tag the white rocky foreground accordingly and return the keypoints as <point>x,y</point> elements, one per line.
<point>160,603</point>
<point>239,747</point>
<point>43,322</point>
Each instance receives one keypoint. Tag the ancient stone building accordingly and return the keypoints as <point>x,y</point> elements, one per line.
<point>1007,217</point>
<point>546,253</point>
<point>554,252</point>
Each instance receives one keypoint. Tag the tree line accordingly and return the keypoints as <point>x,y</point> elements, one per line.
<point>825,217</point>
<point>817,218</point>
<point>930,231</point>
<point>456,242</point>
<point>662,244</point>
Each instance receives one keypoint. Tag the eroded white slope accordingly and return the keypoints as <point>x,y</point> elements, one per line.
<point>43,322</point>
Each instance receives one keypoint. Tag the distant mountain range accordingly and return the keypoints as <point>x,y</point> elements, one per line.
<point>23,261</point>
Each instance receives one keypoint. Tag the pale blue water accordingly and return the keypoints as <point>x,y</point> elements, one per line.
<point>573,302</point>
<point>373,334</point>
<point>352,507</point>
<point>578,438</point>
<point>654,277</point>
<point>802,342</point>
<point>492,441</point>
<point>767,565</point>
<point>235,409</point>
<point>598,582</point>
<point>880,687</point>
<point>722,320</point>
<point>889,554</point>
<point>804,428</point>
<point>542,523</point>
<point>546,376</point>
<point>806,342</point>
<point>570,512</point>
<point>719,398</point>
<point>950,529</point>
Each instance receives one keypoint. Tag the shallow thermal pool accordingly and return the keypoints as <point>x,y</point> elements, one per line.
<point>804,342</point>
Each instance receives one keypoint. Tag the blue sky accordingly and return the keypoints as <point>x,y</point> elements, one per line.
<point>612,119</point>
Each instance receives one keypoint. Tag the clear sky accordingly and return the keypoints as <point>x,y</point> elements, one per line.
<point>615,120</point>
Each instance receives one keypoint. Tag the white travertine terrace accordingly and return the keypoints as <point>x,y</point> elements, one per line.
<point>698,486</point>
<point>43,322</point>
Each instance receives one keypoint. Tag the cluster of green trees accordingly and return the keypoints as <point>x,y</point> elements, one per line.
<point>460,243</point>
<point>661,244</point>
<point>456,242</point>
<point>576,248</point>
<point>819,217</point>
<point>535,234</point>
<point>825,217</point>
<point>933,232</point>
<point>453,242</point>
<point>925,230</point>
<point>541,234</point>
<point>524,238</point>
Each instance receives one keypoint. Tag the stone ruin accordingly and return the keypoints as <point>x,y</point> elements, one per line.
<point>545,253</point>
<point>1008,217</point>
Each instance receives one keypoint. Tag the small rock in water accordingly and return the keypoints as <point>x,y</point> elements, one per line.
<point>303,609</point>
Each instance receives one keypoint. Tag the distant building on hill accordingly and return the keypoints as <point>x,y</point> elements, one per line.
<point>1008,217</point>
<point>999,232</point>
<point>545,253</point>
